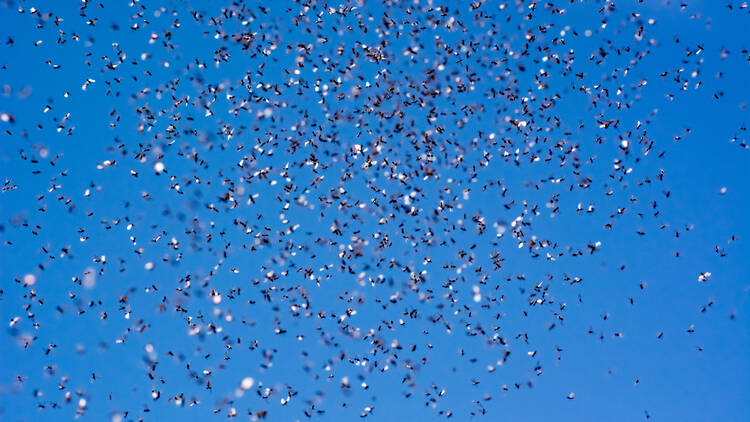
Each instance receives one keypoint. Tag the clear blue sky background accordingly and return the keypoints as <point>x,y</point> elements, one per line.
<point>687,376</point>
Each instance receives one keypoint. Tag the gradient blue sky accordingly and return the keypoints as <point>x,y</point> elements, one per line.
<point>687,376</point>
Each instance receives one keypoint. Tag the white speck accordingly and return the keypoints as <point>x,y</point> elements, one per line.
<point>159,167</point>
<point>247,383</point>
<point>89,278</point>
<point>29,280</point>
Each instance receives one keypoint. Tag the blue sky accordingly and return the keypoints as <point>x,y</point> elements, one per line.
<point>450,117</point>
